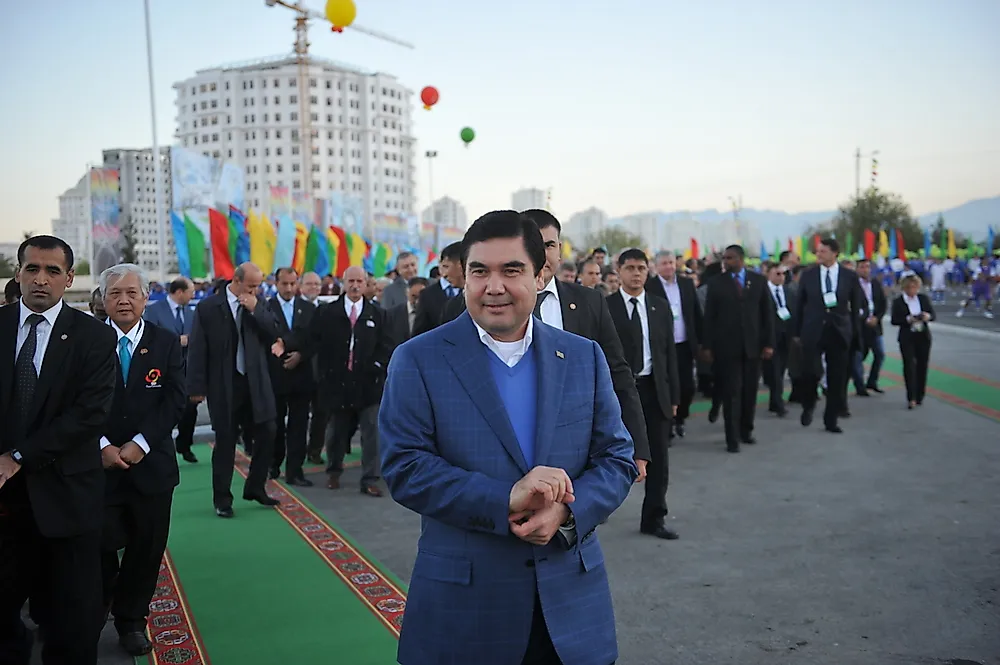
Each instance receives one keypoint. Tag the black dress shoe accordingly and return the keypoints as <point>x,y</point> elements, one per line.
<point>863,393</point>
<point>749,440</point>
<point>659,531</point>
<point>300,481</point>
<point>274,474</point>
<point>733,448</point>
<point>781,413</point>
<point>224,511</point>
<point>875,389</point>
<point>188,457</point>
<point>807,417</point>
<point>844,414</point>
<point>713,413</point>
<point>679,431</point>
<point>316,459</point>
<point>135,643</point>
<point>834,429</point>
<point>262,498</point>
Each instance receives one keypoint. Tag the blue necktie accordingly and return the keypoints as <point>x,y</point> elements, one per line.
<point>180,320</point>
<point>125,356</point>
<point>287,309</point>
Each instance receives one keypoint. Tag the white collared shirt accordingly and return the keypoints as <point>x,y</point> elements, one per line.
<point>834,272</point>
<point>350,305</point>
<point>133,336</point>
<point>913,303</point>
<point>509,352</point>
<point>551,310</point>
<point>234,302</point>
<point>287,309</point>
<point>42,332</point>
<point>647,354</point>
<point>778,295</point>
<point>673,293</point>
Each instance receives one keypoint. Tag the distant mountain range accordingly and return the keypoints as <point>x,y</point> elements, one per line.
<point>971,218</point>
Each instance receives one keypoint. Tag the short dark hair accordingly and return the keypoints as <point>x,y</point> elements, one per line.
<point>284,269</point>
<point>507,224</point>
<point>736,248</point>
<point>632,255</point>
<point>46,242</point>
<point>543,219</point>
<point>417,281</point>
<point>863,259</point>
<point>402,256</point>
<point>11,291</point>
<point>178,285</point>
<point>832,244</point>
<point>784,255</point>
<point>453,252</point>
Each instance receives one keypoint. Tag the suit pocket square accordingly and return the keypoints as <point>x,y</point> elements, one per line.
<point>150,386</point>
<point>370,323</point>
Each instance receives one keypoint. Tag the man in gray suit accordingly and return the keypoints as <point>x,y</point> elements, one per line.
<point>176,314</point>
<point>227,363</point>
<point>396,293</point>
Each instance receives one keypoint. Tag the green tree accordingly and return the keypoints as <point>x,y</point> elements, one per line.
<point>615,239</point>
<point>128,243</point>
<point>82,267</point>
<point>939,233</point>
<point>7,266</point>
<point>875,211</point>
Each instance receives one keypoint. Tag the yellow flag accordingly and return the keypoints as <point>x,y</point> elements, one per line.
<point>567,250</point>
<point>952,250</point>
<point>883,244</point>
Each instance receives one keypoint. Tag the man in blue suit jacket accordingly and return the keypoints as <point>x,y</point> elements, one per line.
<point>176,314</point>
<point>512,460</point>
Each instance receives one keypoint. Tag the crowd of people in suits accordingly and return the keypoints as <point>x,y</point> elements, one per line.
<point>88,462</point>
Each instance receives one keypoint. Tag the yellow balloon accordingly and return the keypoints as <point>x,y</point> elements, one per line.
<point>341,13</point>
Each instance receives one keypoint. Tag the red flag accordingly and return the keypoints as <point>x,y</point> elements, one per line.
<point>900,246</point>
<point>694,249</point>
<point>342,260</point>
<point>222,261</point>
<point>869,243</point>
<point>791,245</point>
<point>816,241</point>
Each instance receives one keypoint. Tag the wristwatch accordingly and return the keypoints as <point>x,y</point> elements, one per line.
<point>16,456</point>
<point>570,523</point>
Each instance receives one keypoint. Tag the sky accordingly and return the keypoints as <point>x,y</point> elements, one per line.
<point>629,106</point>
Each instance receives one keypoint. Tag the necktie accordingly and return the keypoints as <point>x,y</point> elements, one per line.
<point>829,282</point>
<point>125,356</point>
<point>179,315</point>
<point>27,375</point>
<point>354,319</point>
<point>286,307</point>
<point>777,295</point>
<point>241,351</point>
<point>739,284</point>
<point>452,291</point>
<point>539,299</point>
<point>636,324</point>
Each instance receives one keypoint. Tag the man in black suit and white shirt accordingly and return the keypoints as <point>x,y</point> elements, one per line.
<point>739,332</point>
<point>775,368</point>
<point>57,381</point>
<point>402,318</point>
<point>292,378</point>
<point>646,327</point>
<point>138,453</point>
<point>825,323</point>
<point>449,286</point>
<point>680,292</point>
<point>233,335</point>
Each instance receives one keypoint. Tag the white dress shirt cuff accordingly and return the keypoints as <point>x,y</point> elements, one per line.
<point>104,442</point>
<point>139,439</point>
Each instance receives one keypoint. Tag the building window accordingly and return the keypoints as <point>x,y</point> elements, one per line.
<point>292,83</point>
<point>295,168</point>
<point>293,99</point>
<point>313,99</point>
<point>295,149</point>
<point>293,116</point>
<point>296,184</point>
<point>312,83</point>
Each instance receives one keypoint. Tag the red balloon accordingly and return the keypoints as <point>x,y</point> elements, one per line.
<point>429,96</point>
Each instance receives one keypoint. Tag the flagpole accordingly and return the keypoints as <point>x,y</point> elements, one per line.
<point>161,235</point>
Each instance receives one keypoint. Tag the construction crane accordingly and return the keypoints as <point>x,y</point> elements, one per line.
<point>302,18</point>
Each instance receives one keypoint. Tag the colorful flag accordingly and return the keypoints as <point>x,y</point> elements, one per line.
<point>340,257</point>
<point>883,244</point>
<point>301,240</point>
<point>222,260</point>
<point>196,249</point>
<point>284,253</point>
<point>928,252</point>
<point>952,250</point>
<point>900,244</point>
<point>869,244</point>
<point>181,244</point>
<point>239,220</point>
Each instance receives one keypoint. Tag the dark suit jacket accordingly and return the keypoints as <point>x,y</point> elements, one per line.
<point>738,323</point>
<point>869,333</point>
<point>585,313</point>
<point>900,311</point>
<point>394,294</point>
<point>661,345</point>
<point>429,308</point>
<point>150,404</point>
<point>212,359</point>
<point>300,379</point>
<point>398,320</point>
<point>61,450</point>
<point>330,341</point>
<point>782,329</point>
<point>811,314</point>
<point>690,306</point>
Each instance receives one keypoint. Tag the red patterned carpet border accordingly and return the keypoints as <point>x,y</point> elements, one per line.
<point>378,593</point>
<point>954,372</point>
<point>175,637</point>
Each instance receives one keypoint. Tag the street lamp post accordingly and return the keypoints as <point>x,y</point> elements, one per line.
<point>430,155</point>
<point>161,236</point>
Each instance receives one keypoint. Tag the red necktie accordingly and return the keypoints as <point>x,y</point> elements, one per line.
<point>354,320</point>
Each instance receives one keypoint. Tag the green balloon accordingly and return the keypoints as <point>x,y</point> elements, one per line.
<point>467,134</point>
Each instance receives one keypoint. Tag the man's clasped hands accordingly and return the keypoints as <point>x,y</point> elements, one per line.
<point>538,504</point>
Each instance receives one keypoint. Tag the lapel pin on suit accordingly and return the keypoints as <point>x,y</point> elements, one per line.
<point>572,305</point>
<point>143,351</point>
<point>64,336</point>
<point>560,355</point>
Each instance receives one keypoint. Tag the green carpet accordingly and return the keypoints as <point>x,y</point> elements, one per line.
<point>258,593</point>
<point>956,386</point>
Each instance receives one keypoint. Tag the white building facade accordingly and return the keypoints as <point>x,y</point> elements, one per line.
<point>448,212</point>
<point>530,198</point>
<point>582,226</point>
<point>74,224</point>
<point>137,179</point>
<point>254,114</point>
